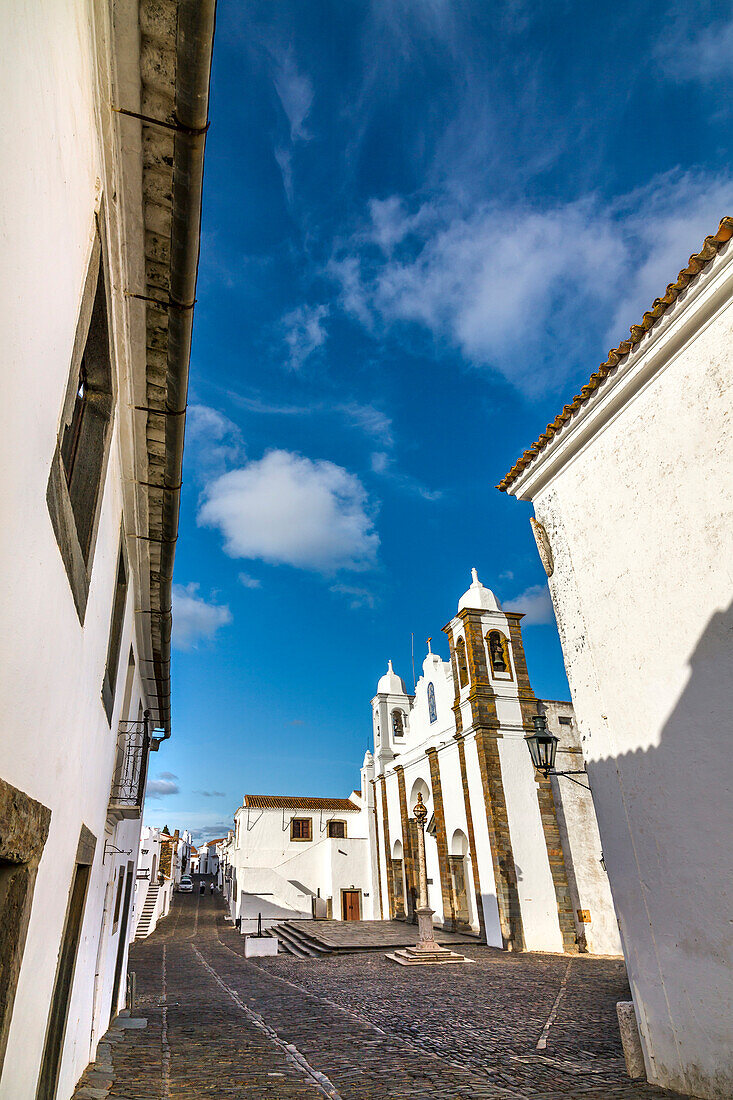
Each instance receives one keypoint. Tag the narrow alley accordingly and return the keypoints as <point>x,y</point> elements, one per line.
<point>356,1026</point>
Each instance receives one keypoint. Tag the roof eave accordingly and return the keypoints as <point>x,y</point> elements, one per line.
<point>656,320</point>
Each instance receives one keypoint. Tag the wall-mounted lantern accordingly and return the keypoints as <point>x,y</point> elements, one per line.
<point>542,747</point>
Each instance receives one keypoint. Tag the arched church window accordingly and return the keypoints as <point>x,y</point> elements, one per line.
<point>461,661</point>
<point>499,653</point>
<point>398,723</point>
<point>432,709</point>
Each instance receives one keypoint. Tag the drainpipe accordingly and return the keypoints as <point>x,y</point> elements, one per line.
<point>196,19</point>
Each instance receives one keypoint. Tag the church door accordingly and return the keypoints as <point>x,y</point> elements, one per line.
<point>351,904</point>
<point>458,880</point>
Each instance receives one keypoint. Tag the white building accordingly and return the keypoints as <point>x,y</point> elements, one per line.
<point>99,217</point>
<point>209,858</point>
<point>510,855</point>
<point>162,860</point>
<point>293,858</point>
<point>632,487</point>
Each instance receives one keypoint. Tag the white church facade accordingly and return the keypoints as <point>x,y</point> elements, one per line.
<point>510,855</point>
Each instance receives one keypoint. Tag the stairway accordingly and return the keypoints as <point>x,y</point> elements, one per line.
<point>295,940</point>
<point>151,900</point>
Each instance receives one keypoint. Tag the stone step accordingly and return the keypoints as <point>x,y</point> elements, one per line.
<point>306,937</point>
<point>294,944</point>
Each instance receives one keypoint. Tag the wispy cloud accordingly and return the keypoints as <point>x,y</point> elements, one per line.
<point>535,603</point>
<point>356,597</point>
<point>211,794</point>
<point>384,465</point>
<point>509,285</point>
<point>249,582</point>
<point>688,52</point>
<point>212,440</point>
<point>287,509</point>
<point>369,419</point>
<point>194,618</point>
<point>304,332</point>
<point>295,91</point>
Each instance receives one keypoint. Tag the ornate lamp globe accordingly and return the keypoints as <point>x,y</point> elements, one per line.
<point>542,745</point>
<point>420,811</point>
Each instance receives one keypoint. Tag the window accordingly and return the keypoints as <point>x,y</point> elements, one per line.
<point>398,723</point>
<point>499,654</point>
<point>75,482</point>
<point>565,721</point>
<point>115,636</point>
<point>432,709</point>
<point>337,830</point>
<point>301,828</point>
<point>461,661</point>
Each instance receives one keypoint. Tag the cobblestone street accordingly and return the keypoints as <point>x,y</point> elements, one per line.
<point>357,1026</point>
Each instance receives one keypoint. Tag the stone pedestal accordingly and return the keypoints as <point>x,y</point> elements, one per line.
<point>427,949</point>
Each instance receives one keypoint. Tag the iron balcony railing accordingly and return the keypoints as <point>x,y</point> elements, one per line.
<point>133,746</point>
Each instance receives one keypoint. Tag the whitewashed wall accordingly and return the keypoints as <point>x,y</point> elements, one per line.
<point>271,868</point>
<point>55,742</point>
<point>637,500</point>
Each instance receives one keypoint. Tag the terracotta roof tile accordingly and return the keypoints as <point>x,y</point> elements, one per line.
<point>696,263</point>
<point>293,802</point>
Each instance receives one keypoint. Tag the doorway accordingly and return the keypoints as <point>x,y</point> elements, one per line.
<point>63,985</point>
<point>122,942</point>
<point>351,904</point>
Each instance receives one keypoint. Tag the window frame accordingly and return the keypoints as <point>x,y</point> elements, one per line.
<point>116,631</point>
<point>508,673</point>
<point>300,821</point>
<point>74,498</point>
<point>336,821</point>
<point>462,664</point>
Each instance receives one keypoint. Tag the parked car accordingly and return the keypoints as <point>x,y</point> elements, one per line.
<point>185,886</point>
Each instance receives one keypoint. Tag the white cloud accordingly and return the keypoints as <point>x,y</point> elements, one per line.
<point>295,91</point>
<point>213,441</point>
<point>249,582</point>
<point>357,597</point>
<point>369,420</point>
<point>290,510</point>
<point>161,788</point>
<point>511,285</point>
<point>304,332</point>
<point>535,603</point>
<point>705,57</point>
<point>194,618</point>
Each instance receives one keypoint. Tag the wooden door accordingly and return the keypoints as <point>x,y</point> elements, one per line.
<point>351,904</point>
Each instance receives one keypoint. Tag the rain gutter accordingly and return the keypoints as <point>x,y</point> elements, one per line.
<point>195,40</point>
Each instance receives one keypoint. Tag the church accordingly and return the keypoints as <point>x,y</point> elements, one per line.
<point>511,855</point>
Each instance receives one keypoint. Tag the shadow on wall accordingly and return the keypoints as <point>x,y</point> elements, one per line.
<point>666,822</point>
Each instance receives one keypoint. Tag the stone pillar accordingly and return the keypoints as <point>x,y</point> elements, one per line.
<point>410,878</point>
<point>449,916</point>
<point>387,849</point>
<point>376,846</point>
<point>471,836</point>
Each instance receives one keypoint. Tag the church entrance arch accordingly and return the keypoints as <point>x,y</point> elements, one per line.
<point>459,873</point>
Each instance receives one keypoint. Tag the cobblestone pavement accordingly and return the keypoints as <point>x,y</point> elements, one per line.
<point>358,1027</point>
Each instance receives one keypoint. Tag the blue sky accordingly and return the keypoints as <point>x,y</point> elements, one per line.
<point>425,222</point>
